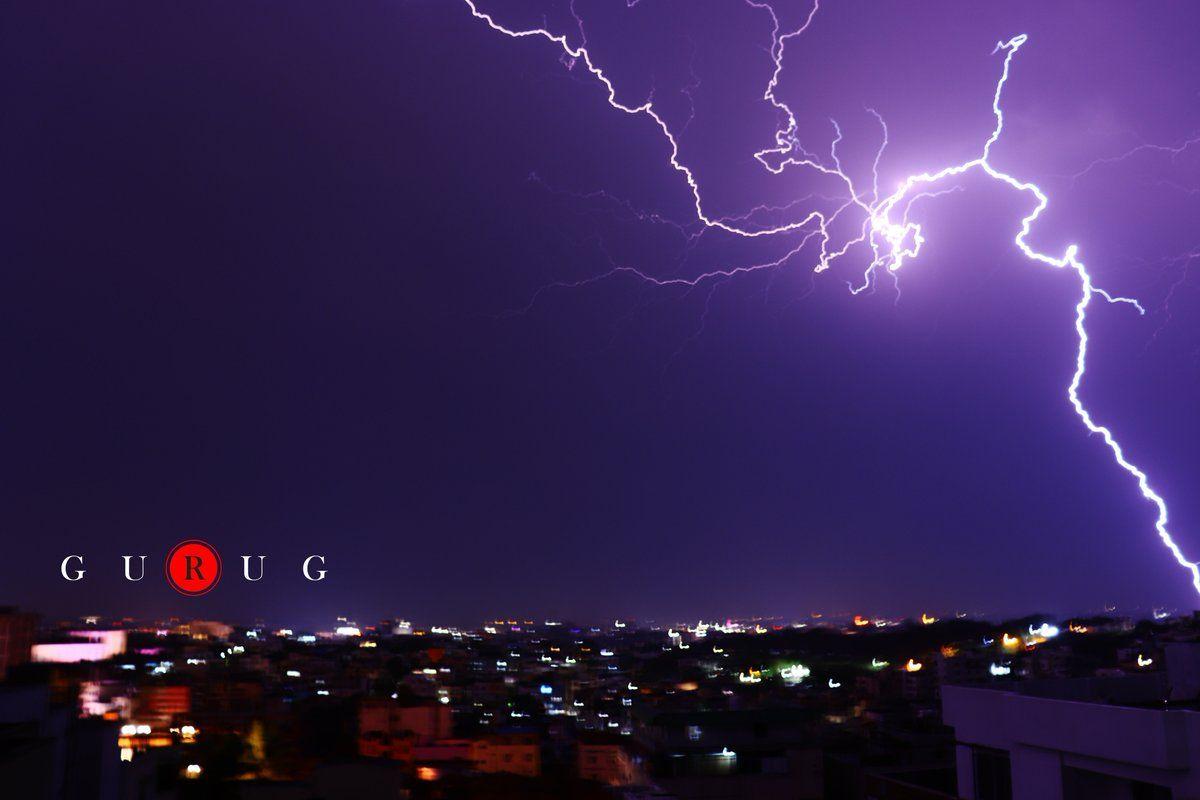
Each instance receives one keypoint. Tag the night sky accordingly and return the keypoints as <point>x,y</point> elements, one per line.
<point>273,276</point>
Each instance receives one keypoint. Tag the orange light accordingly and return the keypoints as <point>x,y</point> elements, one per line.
<point>428,773</point>
<point>913,666</point>
<point>927,620</point>
<point>861,621</point>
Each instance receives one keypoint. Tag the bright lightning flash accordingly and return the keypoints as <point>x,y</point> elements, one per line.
<point>886,233</point>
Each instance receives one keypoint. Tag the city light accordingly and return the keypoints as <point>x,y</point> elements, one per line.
<point>1045,630</point>
<point>794,673</point>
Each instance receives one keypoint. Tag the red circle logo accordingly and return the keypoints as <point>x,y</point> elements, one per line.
<point>193,567</point>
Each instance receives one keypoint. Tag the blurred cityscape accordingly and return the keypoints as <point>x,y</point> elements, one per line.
<point>828,707</point>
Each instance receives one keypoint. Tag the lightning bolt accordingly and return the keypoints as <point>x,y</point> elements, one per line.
<point>886,232</point>
<point>1175,151</point>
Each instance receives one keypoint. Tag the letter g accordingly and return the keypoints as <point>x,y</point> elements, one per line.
<point>78,572</point>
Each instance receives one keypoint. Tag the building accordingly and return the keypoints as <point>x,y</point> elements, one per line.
<point>47,751</point>
<point>228,706</point>
<point>382,743</point>
<point>442,758</point>
<point>205,629</point>
<point>387,729</point>
<point>16,638</point>
<point>607,760</point>
<point>753,753</point>
<point>85,645</point>
<point>427,723</point>
<point>107,698</point>
<point>163,703</point>
<point>960,669</point>
<point>918,685</point>
<point>516,753</point>
<point>1083,739</point>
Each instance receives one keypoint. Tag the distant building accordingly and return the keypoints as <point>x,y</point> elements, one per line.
<point>918,685</point>
<point>108,699</point>
<point>163,702</point>
<point>382,743</point>
<point>761,754</point>
<point>606,760</point>
<point>428,722</point>
<point>387,729</point>
<point>445,755</point>
<point>85,645</point>
<point>961,669</point>
<point>517,753</point>
<point>229,706</point>
<point>204,629</point>
<point>16,638</point>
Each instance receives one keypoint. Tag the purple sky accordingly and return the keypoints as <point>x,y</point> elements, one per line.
<point>258,262</point>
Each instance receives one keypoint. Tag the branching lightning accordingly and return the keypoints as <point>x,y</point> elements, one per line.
<point>886,234</point>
